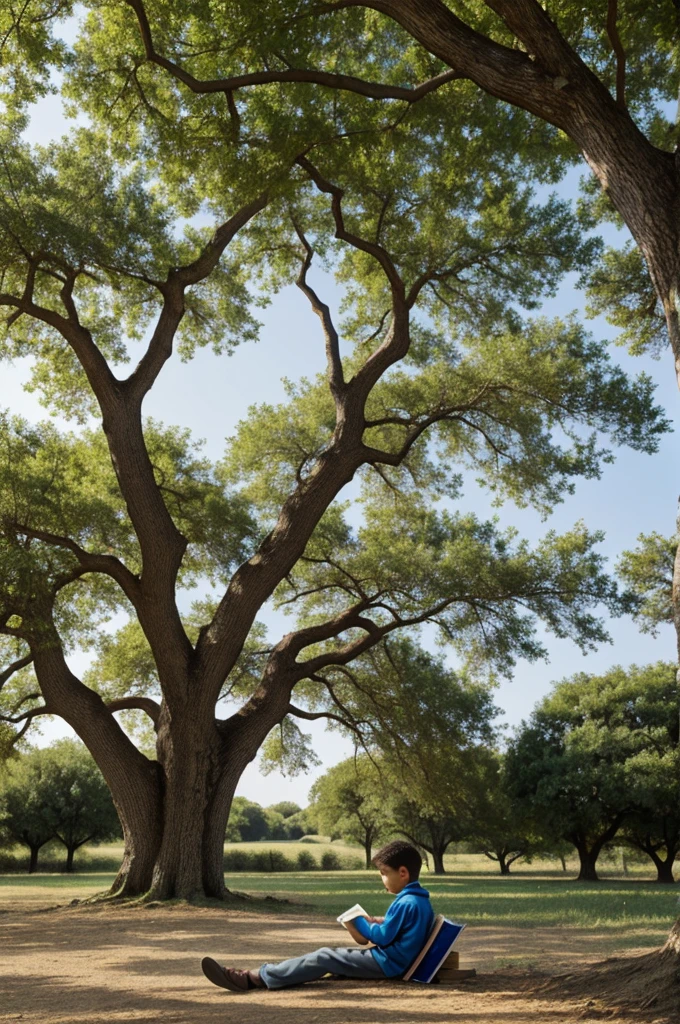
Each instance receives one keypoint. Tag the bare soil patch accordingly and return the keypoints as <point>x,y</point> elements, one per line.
<point>119,965</point>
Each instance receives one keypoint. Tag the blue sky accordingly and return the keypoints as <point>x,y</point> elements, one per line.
<point>211,394</point>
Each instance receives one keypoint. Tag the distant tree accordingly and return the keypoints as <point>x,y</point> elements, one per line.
<point>431,827</point>
<point>499,828</point>
<point>301,824</point>
<point>588,759</point>
<point>658,836</point>
<point>286,808</point>
<point>276,825</point>
<point>248,822</point>
<point>30,816</point>
<point>648,570</point>
<point>57,792</point>
<point>551,848</point>
<point>349,801</point>
<point>283,820</point>
<point>431,726</point>
<point>83,807</point>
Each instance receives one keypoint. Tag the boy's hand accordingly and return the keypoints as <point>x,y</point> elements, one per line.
<point>375,920</point>
<point>356,935</point>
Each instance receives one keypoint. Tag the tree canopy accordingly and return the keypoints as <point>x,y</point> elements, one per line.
<point>598,751</point>
<point>350,801</point>
<point>56,792</point>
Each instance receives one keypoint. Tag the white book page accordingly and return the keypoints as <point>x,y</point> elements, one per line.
<point>356,911</point>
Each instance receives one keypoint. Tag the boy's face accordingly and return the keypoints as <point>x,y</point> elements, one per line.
<point>394,879</point>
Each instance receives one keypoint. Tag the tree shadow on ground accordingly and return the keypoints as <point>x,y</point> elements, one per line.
<point>95,965</point>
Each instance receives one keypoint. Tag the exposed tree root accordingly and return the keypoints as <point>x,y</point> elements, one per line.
<point>232,898</point>
<point>624,984</point>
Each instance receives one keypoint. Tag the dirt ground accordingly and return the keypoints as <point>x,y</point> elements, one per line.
<point>86,965</point>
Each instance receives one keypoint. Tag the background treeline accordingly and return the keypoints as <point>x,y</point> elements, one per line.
<point>596,768</point>
<point>249,822</point>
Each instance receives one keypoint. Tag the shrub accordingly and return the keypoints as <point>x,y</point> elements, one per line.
<point>330,862</point>
<point>306,862</point>
<point>258,860</point>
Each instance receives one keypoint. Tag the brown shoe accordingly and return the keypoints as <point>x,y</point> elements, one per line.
<point>227,977</point>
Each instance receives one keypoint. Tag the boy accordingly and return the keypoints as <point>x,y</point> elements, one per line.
<point>398,937</point>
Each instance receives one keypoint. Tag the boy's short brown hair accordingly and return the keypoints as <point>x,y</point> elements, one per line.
<point>399,854</point>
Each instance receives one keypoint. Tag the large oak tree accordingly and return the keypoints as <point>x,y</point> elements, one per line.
<point>438,244</point>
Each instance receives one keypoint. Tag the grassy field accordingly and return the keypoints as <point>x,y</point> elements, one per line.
<point>106,858</point>
<point>632,912</point>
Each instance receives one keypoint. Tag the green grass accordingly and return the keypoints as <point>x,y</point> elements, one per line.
<point>625,913</point>
<point>621,911</point>
<point>106,857</point>
<point>511,902</point>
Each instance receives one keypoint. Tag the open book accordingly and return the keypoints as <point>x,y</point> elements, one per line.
<point>356,911</point>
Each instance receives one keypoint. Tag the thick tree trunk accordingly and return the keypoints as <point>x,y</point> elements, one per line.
<point>140,851</point>
<point>664,872</point>
<point>664,866</point>
<point>503,864</point>
<point>587,860</point>
<point>182,855</point>
<point>68,866</point>
<point>438,860</point>
<point>190,751</point>
<point>563,862</point>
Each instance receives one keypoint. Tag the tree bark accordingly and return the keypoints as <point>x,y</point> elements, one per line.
<point>368,849</point>
<point>587,870</point>
<point>438,860</point>
<point>180,853</point>
<point>587,860</point>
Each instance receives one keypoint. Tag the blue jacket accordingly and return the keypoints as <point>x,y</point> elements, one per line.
<point>402,934</point>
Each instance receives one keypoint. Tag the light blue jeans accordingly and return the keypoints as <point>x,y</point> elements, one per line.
<point>352,963</point>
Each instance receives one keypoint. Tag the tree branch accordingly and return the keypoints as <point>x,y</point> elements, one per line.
<point>617,47</point>
<point>374,634</point>
<point>94,364</point>
<point>335,374</point>
<point>109,565</point>
<point>371,248</point>
<point>29,715</point>
<point>16,666</point>
<point>180,278</point>
<point>396,343</point>
<point>373,90</point>
<point>312,716</point>
<point>147,704</point>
